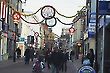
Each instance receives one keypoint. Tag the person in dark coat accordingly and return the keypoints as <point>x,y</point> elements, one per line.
<point>32,51</point>
<point>27,56</point>
<point>56,60</point>
<point>18,51</point>
<point>49,60</point>
<point>65,58</point>
<point>91,57</point>
<point>72,55</point>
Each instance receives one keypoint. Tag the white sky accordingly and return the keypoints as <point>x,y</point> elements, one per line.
<point>65,7</point>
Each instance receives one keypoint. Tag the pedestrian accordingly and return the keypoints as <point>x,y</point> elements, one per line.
<point>48,58</point>
<point>92,57</point>
<point>32,52</point>
<point>18,51</point>
<point>72,55</point>
<point>56,60</point>
<point>27,56</point>
<point>64,61</point>
<point>66,58</point>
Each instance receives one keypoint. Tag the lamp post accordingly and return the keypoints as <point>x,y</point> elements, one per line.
<point>16,16</point>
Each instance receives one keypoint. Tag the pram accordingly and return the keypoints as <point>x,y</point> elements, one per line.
<point>37,66</point>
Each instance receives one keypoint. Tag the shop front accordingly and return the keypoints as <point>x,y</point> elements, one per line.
<point>4,54</point>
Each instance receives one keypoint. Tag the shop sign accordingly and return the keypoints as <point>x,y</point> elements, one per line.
<point>21,39</point>
<point>91,29</point>
<point>92,17</point>
<point>16,17</point>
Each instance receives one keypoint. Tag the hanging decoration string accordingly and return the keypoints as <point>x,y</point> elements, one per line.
<point>27,14</point>
<point>31,22</point>
<point>64,15</point>
<point>22,13</point>
<point>64,23</point>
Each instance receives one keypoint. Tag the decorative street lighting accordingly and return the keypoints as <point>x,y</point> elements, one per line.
<point>48,12</point>
<point>16,16</point>
<point>51,22</point>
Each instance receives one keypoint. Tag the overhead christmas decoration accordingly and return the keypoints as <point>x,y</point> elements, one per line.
<point>47,12</point>
<point>51,22</point>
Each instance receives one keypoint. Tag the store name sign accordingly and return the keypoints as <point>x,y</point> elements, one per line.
<point>91,27</point>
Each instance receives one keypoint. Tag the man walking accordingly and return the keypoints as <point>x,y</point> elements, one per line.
<point>18,51</point>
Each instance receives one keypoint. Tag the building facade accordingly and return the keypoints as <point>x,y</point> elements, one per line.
<point>8,27</point>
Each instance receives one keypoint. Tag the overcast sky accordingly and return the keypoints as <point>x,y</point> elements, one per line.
<point>65,7</point>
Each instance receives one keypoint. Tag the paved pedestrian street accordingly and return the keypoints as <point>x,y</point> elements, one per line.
<point>20,67</point>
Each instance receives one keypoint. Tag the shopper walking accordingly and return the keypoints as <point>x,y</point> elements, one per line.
<point>32,51</point>
<point>27,56</point>
<point>72,55</point>
<point>18,51</point>
<point>91,57</point>
<point>56,60</point>
<point>65,59</point>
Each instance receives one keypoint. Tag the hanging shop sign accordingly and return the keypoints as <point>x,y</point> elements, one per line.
<point>104,7</point>
<point>91,29</point>
<point>16,16</point>
<point>92,17</point>
<point>36,34</point>
<point>21,39</point>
